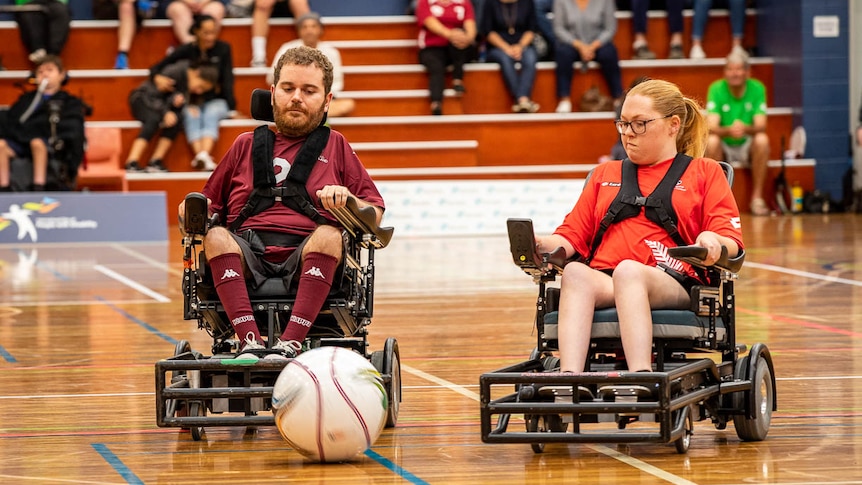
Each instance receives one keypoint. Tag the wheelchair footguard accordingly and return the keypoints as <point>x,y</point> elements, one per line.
<point>700,372</point>
<point>654,407</point>
<point>195,391</point>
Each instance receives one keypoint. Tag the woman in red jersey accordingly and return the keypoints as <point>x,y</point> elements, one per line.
<point>447,32</point>
<point>628,267</point>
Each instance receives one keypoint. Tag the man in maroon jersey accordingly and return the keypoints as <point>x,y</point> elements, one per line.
<point>280,241</point>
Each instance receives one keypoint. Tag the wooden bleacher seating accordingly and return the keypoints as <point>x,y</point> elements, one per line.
<point>391,128</point>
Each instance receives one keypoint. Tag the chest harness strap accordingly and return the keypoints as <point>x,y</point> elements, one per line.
<point>657,206</point>
<point>292,192</point>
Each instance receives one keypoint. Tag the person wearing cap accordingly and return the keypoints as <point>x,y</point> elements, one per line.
<point>736,107</point>
<point>309,28</point>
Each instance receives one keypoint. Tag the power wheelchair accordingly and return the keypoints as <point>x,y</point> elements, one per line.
<point>699,372</point>
<point>194,391</point>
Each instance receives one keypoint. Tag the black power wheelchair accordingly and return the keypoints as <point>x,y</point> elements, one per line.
<point>699,372</point>
<point>194,391</point>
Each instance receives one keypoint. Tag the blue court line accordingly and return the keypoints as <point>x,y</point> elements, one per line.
<point>395,468</point>
<point>7,356</point>
<point>117,464</point>
<point>146,326</point>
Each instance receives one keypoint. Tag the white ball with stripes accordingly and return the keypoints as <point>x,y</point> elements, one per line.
<point>329,404</point>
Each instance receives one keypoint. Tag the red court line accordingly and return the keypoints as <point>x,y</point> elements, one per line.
<point>802,323</point>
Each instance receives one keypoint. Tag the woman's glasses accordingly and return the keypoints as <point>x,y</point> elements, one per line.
<point>638,126</point>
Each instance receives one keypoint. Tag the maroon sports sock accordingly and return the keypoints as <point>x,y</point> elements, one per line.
<point>318,271</point>
<point>230,286</point>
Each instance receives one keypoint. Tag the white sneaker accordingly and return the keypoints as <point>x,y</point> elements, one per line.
<point>251,345</point>
<point>258,63</point>
<point>288,349</point>
<point>565,106</point>
<point>203,161</point>
<point>739,51</point>
<point>37,56</point>
<point>697,53</point>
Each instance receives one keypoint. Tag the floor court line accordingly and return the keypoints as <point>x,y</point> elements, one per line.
<point>131,283</point>
<point>117,464</point>
<point>164,266</point>
<point>804,274</point>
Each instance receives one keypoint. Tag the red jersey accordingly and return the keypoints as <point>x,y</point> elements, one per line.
<point>451,14</point>
<point>232,182</point>
<point>702,199</point>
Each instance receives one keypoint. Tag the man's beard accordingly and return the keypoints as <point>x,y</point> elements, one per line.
<point>296,127</point>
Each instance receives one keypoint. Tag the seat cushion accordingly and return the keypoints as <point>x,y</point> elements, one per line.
<point>667,324</point>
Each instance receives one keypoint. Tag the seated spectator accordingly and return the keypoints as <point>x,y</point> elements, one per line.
<point>44,30</point>
<point>627,267</point>
<point>509,27</point>
<point>545,27</point>
<point>181,13</point>
<point>27,131</point>
<point>130,14</point>
<point>201,121</point>
<point>158,103</point>
<point>736,107</point>
<point>309,28</point>
<point>447,33</point>
<point>263,10</point>
<point>674,24</point>
<point>701,16</point>
<point>585,32</point>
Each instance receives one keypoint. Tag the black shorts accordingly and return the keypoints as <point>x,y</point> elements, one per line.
<point>253,249</point>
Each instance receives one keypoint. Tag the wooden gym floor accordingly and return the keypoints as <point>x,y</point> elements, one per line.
<point>82,325</point>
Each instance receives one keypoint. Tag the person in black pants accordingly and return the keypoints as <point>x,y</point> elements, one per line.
<point>446,37</point>
<point>44,30</point>
<point>674,23</point>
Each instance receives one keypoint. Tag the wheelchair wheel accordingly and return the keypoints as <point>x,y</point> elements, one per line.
<point>684,443</point>
<point>544,423</point>
<point>197,409</point>
<point>388,361</point>
<point>756,428</point>
<point>182,347</point>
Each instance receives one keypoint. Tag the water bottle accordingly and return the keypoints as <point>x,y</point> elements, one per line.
<point>797,194</point>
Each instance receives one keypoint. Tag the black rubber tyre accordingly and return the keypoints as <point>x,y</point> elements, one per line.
<point>197,410</point>
<point>756,428</point>
<point>684,443</point>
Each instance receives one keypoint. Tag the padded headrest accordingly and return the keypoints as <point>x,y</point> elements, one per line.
<point>261,105</point>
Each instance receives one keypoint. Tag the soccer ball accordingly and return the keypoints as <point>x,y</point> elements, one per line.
<point>329,404</point>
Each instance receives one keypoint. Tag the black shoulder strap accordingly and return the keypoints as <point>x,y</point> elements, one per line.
<point>293,193</point>
<point>619,210</point>
<point>657,206</point>
<point>661,211</point>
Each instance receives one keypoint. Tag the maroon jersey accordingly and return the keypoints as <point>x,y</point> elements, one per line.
<point>230,185</point>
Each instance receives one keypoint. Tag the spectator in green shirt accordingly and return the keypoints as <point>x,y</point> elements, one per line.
<point>736,107</point>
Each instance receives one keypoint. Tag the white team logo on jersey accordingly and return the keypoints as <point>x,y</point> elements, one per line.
<point>734,221</point>
<point>315,271</point>
<point>229,273</point>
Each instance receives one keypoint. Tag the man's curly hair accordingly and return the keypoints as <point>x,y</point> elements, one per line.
<point>306,56</point>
